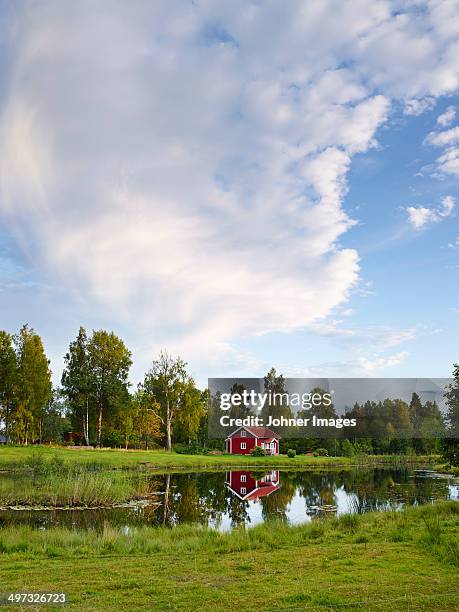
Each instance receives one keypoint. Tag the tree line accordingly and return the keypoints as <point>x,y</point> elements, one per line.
<point>95,401</point>
<point>97,404</point>
<point>391,426</point>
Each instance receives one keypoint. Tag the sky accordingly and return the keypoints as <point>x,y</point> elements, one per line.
<point>246,184</point>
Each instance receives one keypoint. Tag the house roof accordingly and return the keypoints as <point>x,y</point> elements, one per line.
<point>258,432</point>
<point>262,491</point>
<point>263,432</point>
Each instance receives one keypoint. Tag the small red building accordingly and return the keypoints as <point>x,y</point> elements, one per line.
<point>247,487</point>
<point>243,439</point>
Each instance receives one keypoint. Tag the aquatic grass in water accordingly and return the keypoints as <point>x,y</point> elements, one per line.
<point>71,488</point>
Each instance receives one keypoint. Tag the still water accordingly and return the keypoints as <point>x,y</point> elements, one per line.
<point>226,500</point>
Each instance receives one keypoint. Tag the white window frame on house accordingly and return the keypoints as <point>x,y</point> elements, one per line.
<point>243,490</point>
<point>243,433</point>
<point>243,445</point>
<point>243,478</point>
<point>273,445</point>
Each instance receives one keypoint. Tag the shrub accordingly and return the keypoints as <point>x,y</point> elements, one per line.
<point>347,450</point>
<point>189,449</point>
<point>291,453</point>
<point>320,452</point>
<point>257,451</point>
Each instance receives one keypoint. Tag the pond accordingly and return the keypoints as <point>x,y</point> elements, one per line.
<point>224,500</point>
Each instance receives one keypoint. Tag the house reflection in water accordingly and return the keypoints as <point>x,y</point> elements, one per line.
<point>248,486</point>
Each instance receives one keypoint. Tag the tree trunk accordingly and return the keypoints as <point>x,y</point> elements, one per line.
<point>7,420</point>
<point>168,426</point>
<point>99,424</point>
<point>86,424</point>
<point>166,499</point>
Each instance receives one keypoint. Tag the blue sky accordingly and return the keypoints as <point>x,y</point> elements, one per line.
<point>249,186</point>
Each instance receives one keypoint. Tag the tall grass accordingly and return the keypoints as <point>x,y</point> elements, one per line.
<point>57,483</point>
<point>433,528</point>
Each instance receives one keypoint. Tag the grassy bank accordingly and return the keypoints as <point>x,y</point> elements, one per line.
<point>406,561</point>
<point>15,457</point>
<point>81,489</point>
<point>55,483</point>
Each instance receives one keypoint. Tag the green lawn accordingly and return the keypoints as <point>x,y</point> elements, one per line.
<point>15,456</point>
<point>387,561</point>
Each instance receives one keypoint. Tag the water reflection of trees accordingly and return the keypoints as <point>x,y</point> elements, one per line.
<point>199,498</point>
<point>204,498</point>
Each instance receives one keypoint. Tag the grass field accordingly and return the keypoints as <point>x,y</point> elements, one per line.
<point>14,457</point>
<point>401,561</point>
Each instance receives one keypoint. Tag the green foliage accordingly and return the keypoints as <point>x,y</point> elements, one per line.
<point>291,453</point>
<point>8,376</point>
<point>320,452</point>
<point>78,387</point>
<point>55,421</point>
<point>172,390</point>
<point>25,385</point>
<point>95,384</point>
<point>347,449</point>
<point>257,451</point>
<point>109,361</point>
<point>452,401</point>
<point>277,404</point>
<point>450,451</point>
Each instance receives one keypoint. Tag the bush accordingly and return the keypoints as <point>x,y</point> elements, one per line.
<point>257,451</point>
<point>291,453</point>
<point>450,451</point>
<point>347,450</point>
<point>320,452</point>
<point>182,449</point>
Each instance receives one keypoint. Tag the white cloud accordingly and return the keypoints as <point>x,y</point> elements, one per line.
<point>448,163</point>
<point>443,139</point>
<point>447,117</point>
<point>371,365</point>
<point>184,166</point>
<point>454,244</point>
<point>421,216</point>
<point>417,107</point>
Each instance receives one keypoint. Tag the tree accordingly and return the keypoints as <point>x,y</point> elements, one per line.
<point>34,388</point>
<point>146,419</point>
<point>8,375</point>
<point>277,405</point>
<point>452,401</point>
<point>78,385</point>
<point>192,410</point>
<point>416,412</point>
<point>55,421</point>
<point>450,445</point>
<point>168,383</point>
<point>109,363</point>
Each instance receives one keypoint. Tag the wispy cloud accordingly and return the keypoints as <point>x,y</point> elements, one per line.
<point>447,117</point>
<point>444,138</point>
<point>421,216</point>
<point>448,162</point>
<point>418,106</point>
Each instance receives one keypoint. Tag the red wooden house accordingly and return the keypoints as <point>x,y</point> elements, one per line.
<point>243,439</point>
<point>247,487</point>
